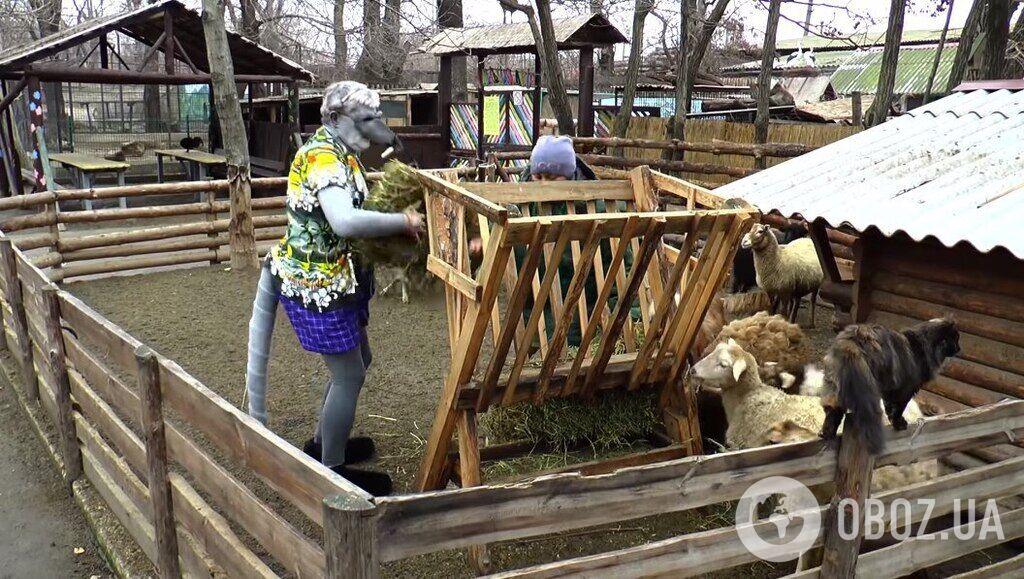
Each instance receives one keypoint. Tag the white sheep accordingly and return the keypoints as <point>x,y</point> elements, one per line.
<point>786,273</point>
<point>759,414</point>
<point>781,349</point>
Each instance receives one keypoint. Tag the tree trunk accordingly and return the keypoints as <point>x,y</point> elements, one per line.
<point>640,11</point>
<point>1015,65</point>
<point>966,45</point>
<point>997,31</point>
<point>394,57</point>
<point>890,58</point>
<point>449,15</point>
<point>47,15</point>
<point>340,41</point>
<point>764,79</point>
<point>702,40</point>
<point>682,78</point>
<point>222,74</point>
<point>250,29</point>
<point>938,55</point>
<point>369,60</point>
<point>553,70</point>
<point>605,56</point>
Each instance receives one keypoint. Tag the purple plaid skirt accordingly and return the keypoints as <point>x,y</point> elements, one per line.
<point>332,332</point>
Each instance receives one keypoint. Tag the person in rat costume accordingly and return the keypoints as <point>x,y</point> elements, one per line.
<point>320,282</point>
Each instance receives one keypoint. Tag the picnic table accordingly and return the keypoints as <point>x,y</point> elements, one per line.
<point>84,168</point>
<point>196,163</point>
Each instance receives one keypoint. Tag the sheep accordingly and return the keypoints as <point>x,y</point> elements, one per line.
<point>781,349</point>
<point>786,273</point>
<point>744,276</point>
<point>759,414</point>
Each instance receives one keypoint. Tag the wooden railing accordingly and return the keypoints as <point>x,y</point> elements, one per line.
<point>158,446</point>
<point>363,534</point>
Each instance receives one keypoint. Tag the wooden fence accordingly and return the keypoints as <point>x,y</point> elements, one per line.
<point>163,450</point>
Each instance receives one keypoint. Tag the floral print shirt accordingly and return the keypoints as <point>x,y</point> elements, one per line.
<point>314,264</point>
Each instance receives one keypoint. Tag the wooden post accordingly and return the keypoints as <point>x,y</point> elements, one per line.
<point>242,234</point>
<point>469,474</point>
<point>480,96</point>
<point>350,538</point>
<point>156,458</point>
<point>853,482</point>
<point>62,387</point>
<point>168,42</point>
<point>16,301</point>
<point>104,52</point>
<point>585,118</point>
<point>294,114</point>
<point>537,96</point>
<point>857,112</point>
<point>444,102</point>
<point>37,120</point>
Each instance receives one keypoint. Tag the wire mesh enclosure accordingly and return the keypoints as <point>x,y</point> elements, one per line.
<point>576,294</point>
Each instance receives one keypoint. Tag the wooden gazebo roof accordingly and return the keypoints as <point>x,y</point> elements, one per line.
<point>147,25</point>
<point>592,30</point>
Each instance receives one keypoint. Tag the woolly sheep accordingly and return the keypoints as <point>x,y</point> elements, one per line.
<point>785,272</point>
<point>759,415</point>
<point>781,349</point>
<point>744,276</point>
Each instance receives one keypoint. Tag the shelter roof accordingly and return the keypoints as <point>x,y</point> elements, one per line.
<point>590,30</point>
<point>949,170</point>
<point>146,24</point>
<point>860,72</point>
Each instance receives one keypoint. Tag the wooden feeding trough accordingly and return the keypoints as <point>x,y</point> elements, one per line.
<point>509,326</point>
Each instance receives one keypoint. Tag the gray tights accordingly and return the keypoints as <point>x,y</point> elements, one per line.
<point>348,372</point>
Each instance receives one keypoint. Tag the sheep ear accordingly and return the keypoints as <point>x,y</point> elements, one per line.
<point>739,366</point>
<point>732,342</point>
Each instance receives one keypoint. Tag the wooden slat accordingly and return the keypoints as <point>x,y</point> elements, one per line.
<point>652,240</point>
<point>207,526</point>
<point>552,191</point>
<point>579,225</point>
<point>664,306</point>
<point>575,250</point>
<point>300,479</point>
<point>629,334</point>
<point>615,269</point>
<point>643,292</point>
<point>552,262</point>
<point>291,548</point>
<point>111,476</point>
<point>686,190</point>
<point>1005,569</point>
<point>562,323</point>
<point>542,333</point>
<point>993,328</point>
<point>516,301</point>
<point>454,278</point>
<point>719,549</point>
<point>485,237</point>
<point>495,213</point>
<point>599,271</point>
<point>535,322</point>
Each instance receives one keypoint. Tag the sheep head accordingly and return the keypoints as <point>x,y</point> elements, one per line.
<point>758,237</point>
<point>724,366</point>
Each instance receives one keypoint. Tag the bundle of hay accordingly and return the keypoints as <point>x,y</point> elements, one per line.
<point>398,190</point>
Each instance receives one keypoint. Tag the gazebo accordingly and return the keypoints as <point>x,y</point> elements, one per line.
<point>165,26</point>
<point>582,33</point>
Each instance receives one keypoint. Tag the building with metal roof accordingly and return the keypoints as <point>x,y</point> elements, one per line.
<point>591,30</point>
<point>936,199</point>
<point>864,40</point>
<point>859,72</point>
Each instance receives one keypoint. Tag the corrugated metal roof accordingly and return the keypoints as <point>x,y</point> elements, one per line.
<point>146,24</point>
<point>821,60</point>
<point>865,39</point>
<point>949,170</point>
<point>587,30</point>
<point>860,72</point>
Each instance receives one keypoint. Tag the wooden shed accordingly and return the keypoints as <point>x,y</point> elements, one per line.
<point>937,198</point>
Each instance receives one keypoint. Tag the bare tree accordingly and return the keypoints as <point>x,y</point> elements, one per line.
<point>707,23</point>
<point>369,71</point>
<point>997,32</point>
<point>222,75</point>
<point>340,41</point>
<point>543,30</point>
<point>764,79</point>
<point>938,53</point>
<point>890,59</point>
<point>683,83</point>
<point>966,45</point>
<point>47,16</point>
<point>641,9</point>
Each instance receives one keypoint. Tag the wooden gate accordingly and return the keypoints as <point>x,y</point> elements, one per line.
<point>620,321</point>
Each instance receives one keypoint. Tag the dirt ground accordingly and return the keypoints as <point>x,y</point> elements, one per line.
<point>41,527</point>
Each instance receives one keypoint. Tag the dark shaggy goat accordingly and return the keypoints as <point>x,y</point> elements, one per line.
<point>744,276</point>
<point>870,363</point>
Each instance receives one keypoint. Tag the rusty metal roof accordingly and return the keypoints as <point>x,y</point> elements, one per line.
<point>516,38</point>
<point>146,25</point>
<point>950,170</point>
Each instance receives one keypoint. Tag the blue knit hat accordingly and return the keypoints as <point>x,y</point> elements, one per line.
<point>553,155</point>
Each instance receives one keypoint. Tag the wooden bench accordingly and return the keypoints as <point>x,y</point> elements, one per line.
<point>260,167</point>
